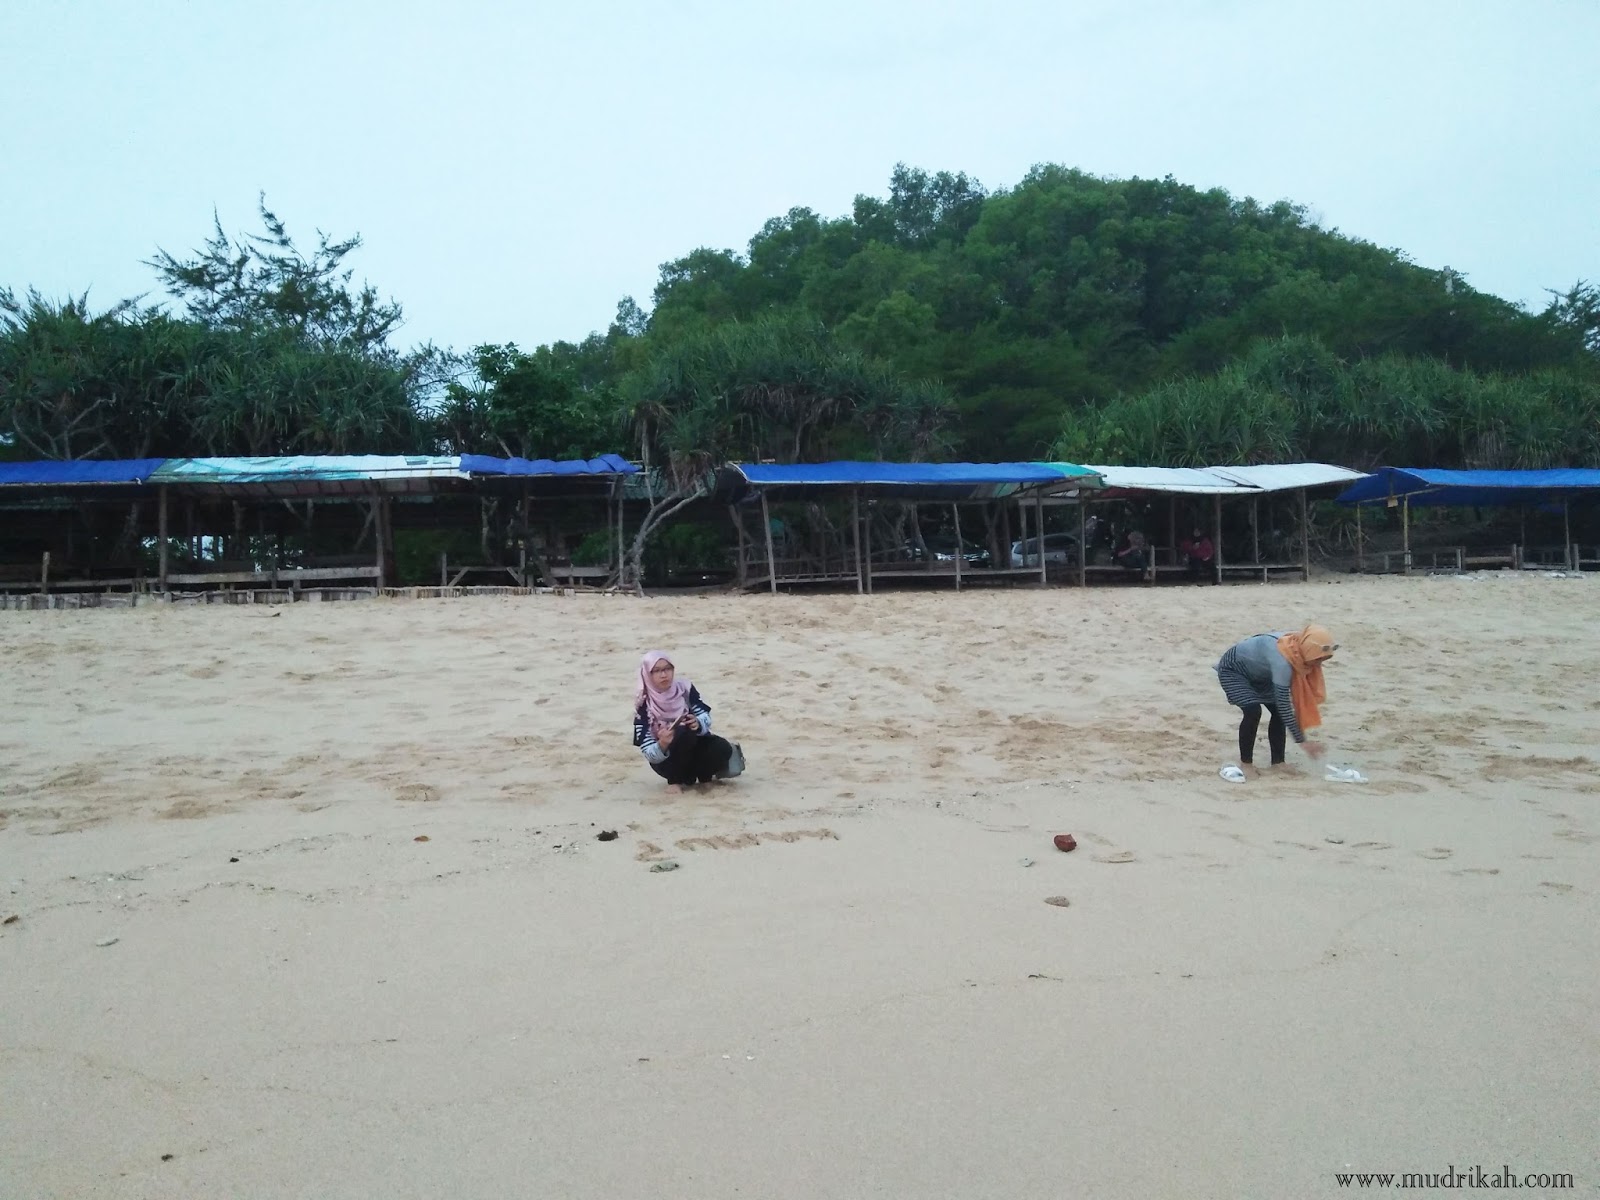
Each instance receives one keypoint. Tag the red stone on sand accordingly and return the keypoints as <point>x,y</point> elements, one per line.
<point>1065,841</point>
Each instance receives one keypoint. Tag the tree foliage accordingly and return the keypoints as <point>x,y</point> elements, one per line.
<point>1138,319</point>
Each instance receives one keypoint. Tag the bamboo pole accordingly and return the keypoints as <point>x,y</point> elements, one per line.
<point>772,562</point>
<point>1566,538</point>
<point>1216,511</point>
<point>855,537</point>
<point>956,510</point>
<point>162,550</point>
<point>1305,540</point>
<point>1361,546</point>
<point>1255,529</point>
<point>44,574</point>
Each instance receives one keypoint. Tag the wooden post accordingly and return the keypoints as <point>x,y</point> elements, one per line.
<point>772,562</point>
<point>1216,510</point>
<point>855,537</point>
<point>1566,539</point>
<point>161,527</point>
<point>444,568</point>
<point>956,510</point>
<point>1405,532</point>
<point>1361,550</point>
<point>1522,537</point>
<point>622,538</point>
<point>1255,529</point>
<point>377,536</point>
<point>44,575</point>
<point>1305,540</point>
<point>738,526</point>
<point>1172,529</point>
<point>1083,549</point>
<point>867,553</point>
<point>1038,505</point>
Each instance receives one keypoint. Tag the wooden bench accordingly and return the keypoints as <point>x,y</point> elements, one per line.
<point>1263,571</point>
<point>1546,558</point>
<point>572,575</point>
<point>279,577</point>
<point>493,570</point>
<point>70,577</point>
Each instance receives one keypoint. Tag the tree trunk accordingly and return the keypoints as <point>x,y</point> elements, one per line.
<point>660,510</point>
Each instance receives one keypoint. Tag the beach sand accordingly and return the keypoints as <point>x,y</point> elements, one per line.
<point>368,944</point>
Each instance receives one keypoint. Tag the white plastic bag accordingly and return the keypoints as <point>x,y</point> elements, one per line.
<point>1335,773</point>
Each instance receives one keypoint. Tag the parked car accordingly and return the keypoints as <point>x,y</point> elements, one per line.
<point>943,548</point>
<point>1059,548</point>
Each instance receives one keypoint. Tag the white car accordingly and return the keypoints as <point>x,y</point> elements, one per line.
<point>1061,548</point>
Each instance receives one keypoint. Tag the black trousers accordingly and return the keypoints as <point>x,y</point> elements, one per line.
<point>1277,733</point>
<point>694,758</point>
<point>1199,568</point>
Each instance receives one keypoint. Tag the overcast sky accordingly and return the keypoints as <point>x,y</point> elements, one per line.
<point>516,168</point>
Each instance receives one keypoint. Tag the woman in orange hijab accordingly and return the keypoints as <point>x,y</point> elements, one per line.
<point>1281,672</point>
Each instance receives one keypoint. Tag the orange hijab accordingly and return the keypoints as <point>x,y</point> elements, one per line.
<point>1306,652</point>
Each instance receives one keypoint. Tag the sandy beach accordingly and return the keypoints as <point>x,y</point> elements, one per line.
<point>367,943</point>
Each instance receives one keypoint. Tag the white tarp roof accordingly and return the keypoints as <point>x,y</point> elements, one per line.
<point>1225,481</point>
<point>1283,477</point>
<point>1186,480</point>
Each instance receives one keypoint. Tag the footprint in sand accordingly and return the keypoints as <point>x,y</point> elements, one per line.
<point>415,792</point>
<point>1373,846</point>
<point>1477,871</point>
<point>1122,856</point>
<point>1438,852</point>
<point>1556,887</point>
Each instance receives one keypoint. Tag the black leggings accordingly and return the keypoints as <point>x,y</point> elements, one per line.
<point>1277,733</point>
<point>694,758</point>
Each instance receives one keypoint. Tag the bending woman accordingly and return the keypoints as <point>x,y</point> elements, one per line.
<point>672,728</point>
<point>1281,672</point>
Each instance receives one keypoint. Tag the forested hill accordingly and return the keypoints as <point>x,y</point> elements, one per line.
<point>1129,297</point>
<point>1085,318</point>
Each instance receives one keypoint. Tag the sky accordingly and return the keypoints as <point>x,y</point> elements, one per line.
<point>515,169</point>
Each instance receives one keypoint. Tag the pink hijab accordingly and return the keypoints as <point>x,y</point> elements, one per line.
<point>664,707</point>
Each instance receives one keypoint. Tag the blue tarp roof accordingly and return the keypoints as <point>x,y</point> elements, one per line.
<point>909,474</point>
<point>1427,486</point>
<point>606,464</point>
<point>78,471</point>
<point>311,474</point>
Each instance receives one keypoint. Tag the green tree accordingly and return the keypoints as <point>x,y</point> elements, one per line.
<point>772,389</point>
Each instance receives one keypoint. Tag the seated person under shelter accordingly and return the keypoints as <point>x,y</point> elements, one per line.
<point>1133,554</point>
<point>1198,553</point>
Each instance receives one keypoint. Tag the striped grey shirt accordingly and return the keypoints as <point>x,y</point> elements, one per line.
<point>1255,671</point>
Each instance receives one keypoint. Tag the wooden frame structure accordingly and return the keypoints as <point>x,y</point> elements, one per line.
<point>1399,488</point>
<point>353,499</point>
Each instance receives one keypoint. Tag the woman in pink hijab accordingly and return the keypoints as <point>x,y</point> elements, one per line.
<point>672,728</point>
